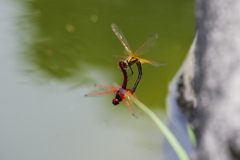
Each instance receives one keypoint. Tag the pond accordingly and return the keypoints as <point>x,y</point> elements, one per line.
<point>52,54</point>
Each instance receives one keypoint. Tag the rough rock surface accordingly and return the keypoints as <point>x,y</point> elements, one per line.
<point>217,80</point>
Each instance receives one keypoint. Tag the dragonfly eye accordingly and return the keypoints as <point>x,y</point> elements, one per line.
<point>115,101</point>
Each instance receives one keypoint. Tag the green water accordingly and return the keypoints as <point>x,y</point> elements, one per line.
<point>64,35</point>
<point>52,53</point>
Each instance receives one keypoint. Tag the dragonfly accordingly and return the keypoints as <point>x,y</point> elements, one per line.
<point>133,58</point>
<point>120,91</point>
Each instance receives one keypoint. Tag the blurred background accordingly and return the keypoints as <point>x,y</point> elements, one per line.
<point>52,54</point>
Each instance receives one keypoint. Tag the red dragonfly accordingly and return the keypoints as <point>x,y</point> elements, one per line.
<point>120,91</point>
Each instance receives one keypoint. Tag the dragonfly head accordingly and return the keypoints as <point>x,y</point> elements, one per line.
<point>115,101</point>
<point>125,64</point>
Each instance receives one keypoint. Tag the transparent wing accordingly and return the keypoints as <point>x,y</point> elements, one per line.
<point>112,89</point>
<point>106,87</point>
<point>147,45</point>
<point>101,93</point>
<point>122,39</point>
<point>129,104</point>
<point>116,85</point>
<point>156,64</point>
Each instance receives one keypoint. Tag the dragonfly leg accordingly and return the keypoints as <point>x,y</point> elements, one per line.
<point>130,75</point>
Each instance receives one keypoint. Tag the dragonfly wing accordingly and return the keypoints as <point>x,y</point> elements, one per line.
<point>111,89</point>
<point>106,87</point>
<point>147,45</point>
<point>116,85</point>
<point>156,64</point>
<point>101,93</point>
<point>129,104</point>
<point>121,37</point>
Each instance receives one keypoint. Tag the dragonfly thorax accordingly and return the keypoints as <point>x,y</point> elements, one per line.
<point>131,60</point>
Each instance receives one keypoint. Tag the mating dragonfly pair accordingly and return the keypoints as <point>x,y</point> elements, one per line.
<point>126,64</point>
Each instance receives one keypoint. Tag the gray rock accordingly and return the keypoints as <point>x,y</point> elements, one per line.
<point>217,80</point>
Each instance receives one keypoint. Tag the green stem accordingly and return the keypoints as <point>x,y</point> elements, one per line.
<point>166,132</point>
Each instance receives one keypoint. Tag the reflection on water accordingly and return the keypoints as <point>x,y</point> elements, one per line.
<point>66,47</point>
